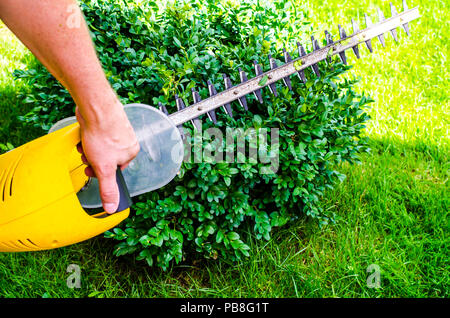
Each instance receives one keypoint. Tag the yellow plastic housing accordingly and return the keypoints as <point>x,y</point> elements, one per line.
<point>39,207</point>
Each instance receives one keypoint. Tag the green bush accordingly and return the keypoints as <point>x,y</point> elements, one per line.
<point>150,53</point>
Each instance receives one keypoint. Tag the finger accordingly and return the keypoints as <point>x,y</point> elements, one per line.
<point>84,159</point>
<point>80,148</point>
<point>109,191</point>
<point>89,172</point>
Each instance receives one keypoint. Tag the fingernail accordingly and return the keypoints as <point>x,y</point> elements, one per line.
<point>110,207</point>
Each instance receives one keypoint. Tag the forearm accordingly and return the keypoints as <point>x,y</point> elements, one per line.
<point>56,33</point>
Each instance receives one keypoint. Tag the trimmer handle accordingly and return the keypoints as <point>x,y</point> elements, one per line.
<point>124,196</point>
<point>40,208</point>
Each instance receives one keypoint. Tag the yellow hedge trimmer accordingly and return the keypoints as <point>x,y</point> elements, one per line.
<point>43,188</point>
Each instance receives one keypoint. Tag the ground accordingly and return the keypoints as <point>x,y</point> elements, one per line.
<point>391,211</point>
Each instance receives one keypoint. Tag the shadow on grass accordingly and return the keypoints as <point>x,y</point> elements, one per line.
<point>12,130</point>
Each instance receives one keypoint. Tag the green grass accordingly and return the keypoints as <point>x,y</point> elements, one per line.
<point>408,80</point>
<point>392,210</point>
<point>13,56</point>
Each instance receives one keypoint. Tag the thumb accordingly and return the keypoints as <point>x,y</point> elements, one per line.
<point>109,191</point>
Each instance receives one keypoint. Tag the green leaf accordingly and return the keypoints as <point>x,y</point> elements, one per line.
<point>145,240</point>
<point>158,241</point>
<point>177,42</point>
<point>263,80</point>
<point>174,234</point>
<point>232,236</point>
<point>219,237</point>
<point>257,120</point>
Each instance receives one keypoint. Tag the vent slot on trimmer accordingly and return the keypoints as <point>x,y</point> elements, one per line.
<point>6,180</point>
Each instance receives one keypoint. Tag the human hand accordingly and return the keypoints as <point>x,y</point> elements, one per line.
<point>105,145</point>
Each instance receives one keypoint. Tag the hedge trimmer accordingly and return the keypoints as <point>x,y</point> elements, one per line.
<point>43,188</point>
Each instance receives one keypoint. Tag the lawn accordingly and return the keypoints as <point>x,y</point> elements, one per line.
<point>391,211</point>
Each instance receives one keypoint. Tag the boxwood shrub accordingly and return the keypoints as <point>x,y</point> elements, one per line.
<point>152,51</point>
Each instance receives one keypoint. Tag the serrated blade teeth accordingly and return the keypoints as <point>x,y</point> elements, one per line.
<point>394,13</point>
<point>274,65</point>
<point>243,78</point>
<point>242,75</point>
<point>316,47</point>
<point>163,108</point>
<point>368,20</point>
<point>342,32</point>
<point>328,37</point>
<point>211,114</point>
<point>301,52</point>
<point>212,91</point>
<point>287,56</point>
<point>287,59</point>
<point>342,35</point>
<point>381,18</point>
<point>406,28</point>
<point>301,49</point>
<point>355,30</point>
<point>406,25</point>
<point>269,78</point>
<point>380,15</point>
<point>196,96</point>
<point>315,43</point>
<point>329,40</point>
<point>272,87</point>
<point>180,105</point>
<point>355,26</point>
<point>179,102</point>
<point>369,46</point>
<point>258,71</point>
<point>394,34</point>
<point>393,9</point>
<point>368,25</point>
<point>228,85</point>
